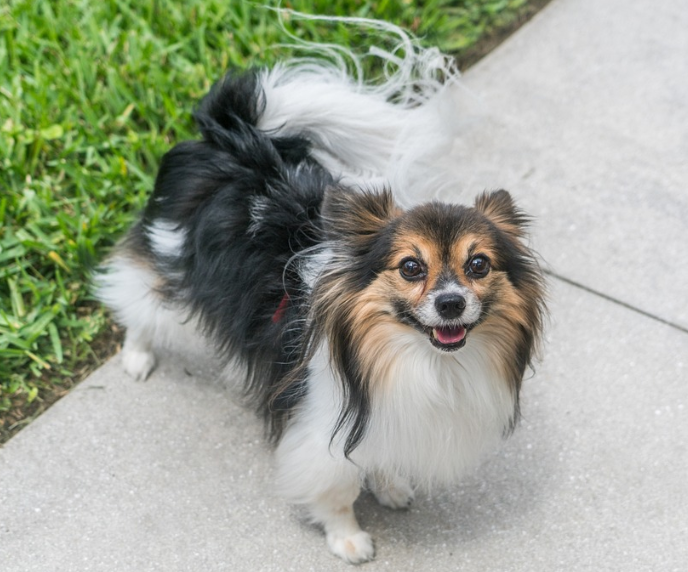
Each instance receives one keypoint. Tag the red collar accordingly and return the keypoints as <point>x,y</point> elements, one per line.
<point>279,313</point>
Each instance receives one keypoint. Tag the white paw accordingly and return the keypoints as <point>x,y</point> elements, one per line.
<point>353,549</point>
<point>138,363</point>
<point>397,495</point>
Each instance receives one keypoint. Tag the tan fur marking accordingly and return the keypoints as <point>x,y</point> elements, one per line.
<point>374,322</point>
<point>410,246</point>
<point>500,209</point>
<point>471,244</point>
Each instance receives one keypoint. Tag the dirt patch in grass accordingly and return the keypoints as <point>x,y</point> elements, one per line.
<point>21,412</point>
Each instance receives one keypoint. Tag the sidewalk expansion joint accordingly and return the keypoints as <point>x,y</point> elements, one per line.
<point>575,284</point>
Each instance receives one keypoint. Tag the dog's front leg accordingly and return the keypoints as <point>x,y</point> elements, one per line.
<point>334,510</point>
<point>311,473</point>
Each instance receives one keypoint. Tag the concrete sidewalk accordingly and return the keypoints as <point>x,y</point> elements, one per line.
<point>586,122</point>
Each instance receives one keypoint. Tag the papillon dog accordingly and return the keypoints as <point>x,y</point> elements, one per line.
<point>384,344</point>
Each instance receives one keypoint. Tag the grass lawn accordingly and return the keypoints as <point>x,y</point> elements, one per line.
<point>92,94</point>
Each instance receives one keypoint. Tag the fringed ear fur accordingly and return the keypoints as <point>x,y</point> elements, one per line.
<point>499,207</point>
<point>355,215</point>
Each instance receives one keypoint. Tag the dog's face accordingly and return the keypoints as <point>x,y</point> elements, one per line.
<point>439,269</point>
<point>440,277</point>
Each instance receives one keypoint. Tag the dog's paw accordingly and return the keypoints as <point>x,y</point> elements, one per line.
<point>354,549</point>
<point>138,363</point>
<point>396,494</point>
<point>395,497</point>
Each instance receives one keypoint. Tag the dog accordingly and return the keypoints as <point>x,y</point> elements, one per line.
<point>384,345</point>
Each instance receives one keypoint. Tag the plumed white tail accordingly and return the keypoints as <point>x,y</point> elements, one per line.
<point>397,131</point>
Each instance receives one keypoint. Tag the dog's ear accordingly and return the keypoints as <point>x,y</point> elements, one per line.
<point>500,208</point>
<point>355,215</point>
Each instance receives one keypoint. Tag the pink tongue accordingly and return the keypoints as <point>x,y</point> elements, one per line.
<point>450,335</point>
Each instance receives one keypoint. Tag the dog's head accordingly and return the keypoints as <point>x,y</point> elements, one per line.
<point>440,269</point>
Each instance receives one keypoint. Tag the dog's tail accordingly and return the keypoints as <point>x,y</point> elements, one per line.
<point>395,130</point>
<point>398,131</point>
<point>262,171</point>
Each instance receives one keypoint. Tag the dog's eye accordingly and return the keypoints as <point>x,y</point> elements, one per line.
<point>479,266</point>
<point>411,269</point>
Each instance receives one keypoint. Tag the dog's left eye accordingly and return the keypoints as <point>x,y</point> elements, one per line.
<point>411,269</point>
<point>479,266</point>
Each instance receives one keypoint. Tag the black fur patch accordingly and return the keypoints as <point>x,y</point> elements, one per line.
<point>247,203</point>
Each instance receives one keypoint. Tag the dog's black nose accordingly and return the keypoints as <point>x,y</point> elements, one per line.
<point>450,306</point>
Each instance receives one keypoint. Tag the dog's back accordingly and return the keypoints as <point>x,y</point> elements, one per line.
<point>211,251</point>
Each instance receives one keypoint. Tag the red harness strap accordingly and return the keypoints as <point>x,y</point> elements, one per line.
<point>279,313</point>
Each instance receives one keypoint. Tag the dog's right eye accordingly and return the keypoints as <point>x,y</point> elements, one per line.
<point>411,269</point>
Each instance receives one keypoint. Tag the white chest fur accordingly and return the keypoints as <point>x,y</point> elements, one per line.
<point>433,416</point>
<point>439,413</point>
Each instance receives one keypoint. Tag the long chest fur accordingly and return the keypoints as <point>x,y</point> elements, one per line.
<point>433,415</point>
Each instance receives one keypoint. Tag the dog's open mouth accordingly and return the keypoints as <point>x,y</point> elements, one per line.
<point>448,338</point>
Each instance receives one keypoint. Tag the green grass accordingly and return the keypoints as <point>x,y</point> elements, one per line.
<point>92,94</point>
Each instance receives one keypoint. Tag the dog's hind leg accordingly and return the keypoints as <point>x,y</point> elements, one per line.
<point>391,491</point>
<point>138,357</point>
<point>127,286</point>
